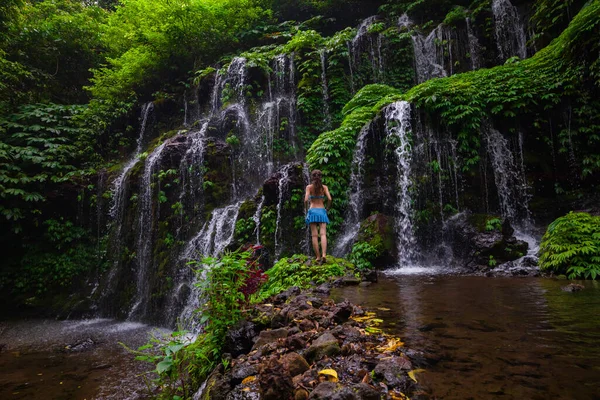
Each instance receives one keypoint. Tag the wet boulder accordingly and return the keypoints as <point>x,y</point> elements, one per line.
<point>295,364</point>
<point>378,231</point>
<point>342,312</point>
<point>217,387</point>
<point>270,336</point>
<point>240,339</point>
<point>482,240</point>
<point>572,287</point>
<point>275,381</point>
<point>332,391</point>
<point>393,372</point>
<point>366,392</point>
<point>324,345</point>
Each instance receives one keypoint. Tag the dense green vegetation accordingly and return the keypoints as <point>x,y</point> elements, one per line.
<point>571,246</point>
<point>73,75</point>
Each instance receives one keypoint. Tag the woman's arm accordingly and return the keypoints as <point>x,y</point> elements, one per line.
<point>306,198</point>
<point>328,197</point>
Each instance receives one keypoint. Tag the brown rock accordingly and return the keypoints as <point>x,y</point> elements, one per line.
<point>324,345</point>
<point>271,336</point>
<point>295,364</point>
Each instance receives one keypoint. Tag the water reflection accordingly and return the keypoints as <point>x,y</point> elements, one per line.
<point>490,337</point>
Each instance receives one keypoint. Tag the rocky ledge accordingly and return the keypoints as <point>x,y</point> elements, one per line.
<point>303,345</point>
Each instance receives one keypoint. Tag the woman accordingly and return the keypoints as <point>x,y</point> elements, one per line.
<point>316,217</point>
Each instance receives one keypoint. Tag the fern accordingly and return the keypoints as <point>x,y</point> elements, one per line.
<point>571,246</point>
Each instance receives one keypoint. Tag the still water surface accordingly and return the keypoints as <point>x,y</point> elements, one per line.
<point>43,359</point>
<point>494,338</point>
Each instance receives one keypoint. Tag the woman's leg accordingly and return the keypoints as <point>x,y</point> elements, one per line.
<point>315,239</point>
<point>323,232</point>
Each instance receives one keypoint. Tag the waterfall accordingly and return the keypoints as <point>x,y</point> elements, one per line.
<point>511,39</point>
<point>325,88</point>
<point>191,164</point>
<point>282,186</point>
<point>454,156</point>
<point>474,46</point>
<point>440,183</point>
<point>145,234</point>
<point>215,98</point>
<point>236,78</point>
<point>510,183</point>
<point>267,123</point>
<point>285,94</point>
<point>256,218</point>
<point>215,235</point>
<point>212,240</point>
<point>118,192</point>
<point>246,152</point>
<point>351,223</point>
<point>398,131</point>
<point>429,57</point>
<point>367,42</point>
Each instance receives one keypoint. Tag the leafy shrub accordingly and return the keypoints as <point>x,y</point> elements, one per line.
<point>64,254</point>
<point>296,271</point>
<point>181,365</point>
<point>363,254</point>
<point>493,224</point>
<point>571,246</point>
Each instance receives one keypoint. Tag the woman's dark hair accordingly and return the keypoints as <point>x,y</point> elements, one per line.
<point>315,179</point>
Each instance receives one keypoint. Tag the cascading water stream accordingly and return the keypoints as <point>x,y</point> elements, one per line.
<point>282,186</point>
<point>119,191</point>
<point>398,131</point>
<point>513,196</point>
<point>212,240</point>
<point>325,88</point>
<point>256,218</point>
<point>429,57</point>
<point>267,124</point>
<point>363,42</point>
<point>144,240</point>
<point>510,183</point>
<point>351,223</point>
<point>511,39</point>
<point>474,46</point>
<point>191,163</point>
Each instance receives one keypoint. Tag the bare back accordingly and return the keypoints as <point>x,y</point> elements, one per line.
<point>317,200</point>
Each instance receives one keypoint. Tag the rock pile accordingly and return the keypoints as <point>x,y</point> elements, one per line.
<point>305,346</point>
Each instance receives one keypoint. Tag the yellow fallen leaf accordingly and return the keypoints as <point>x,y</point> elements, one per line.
<point>246,389</point>
<point>398,396</point>
<point>412,373</point>
<point>248,380</point>
<point>370,329</point>
<point>392,345</point>
<point>309,302</point>
<point>383,309</point>
<point>330,374</point>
